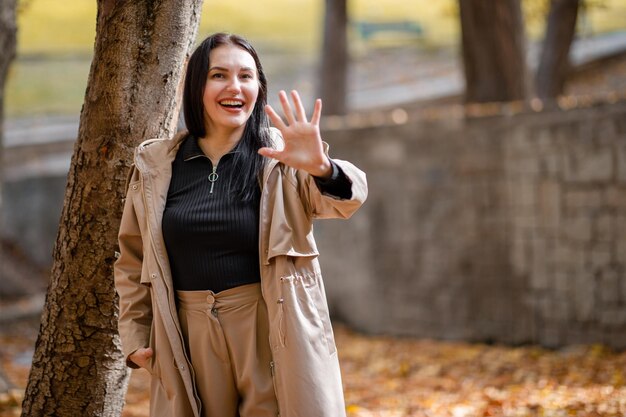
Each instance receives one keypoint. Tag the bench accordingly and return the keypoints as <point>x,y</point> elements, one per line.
<point>368,29</point>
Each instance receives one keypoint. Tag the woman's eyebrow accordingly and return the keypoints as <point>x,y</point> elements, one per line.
<point>217,68</point>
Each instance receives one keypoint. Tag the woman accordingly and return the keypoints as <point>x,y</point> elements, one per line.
<point>221,295</point>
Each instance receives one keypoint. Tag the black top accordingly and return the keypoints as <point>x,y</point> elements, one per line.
<point>211,237</point>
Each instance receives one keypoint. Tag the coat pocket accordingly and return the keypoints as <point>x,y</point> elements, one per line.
<point>305,320</point>
<point>145,276</point>
<point>151,365</point>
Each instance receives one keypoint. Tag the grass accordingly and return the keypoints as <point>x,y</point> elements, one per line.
<point>51,86</point>
<point>55,39</point>
<point>47,26</point>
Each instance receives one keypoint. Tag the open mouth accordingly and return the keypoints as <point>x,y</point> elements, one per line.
<point>231,104</point>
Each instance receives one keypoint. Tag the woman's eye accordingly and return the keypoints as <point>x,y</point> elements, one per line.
<point>217,75</point>
<point>247,76</point>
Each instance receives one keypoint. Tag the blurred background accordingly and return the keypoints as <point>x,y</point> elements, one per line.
<point>391,43</point>
<point>493,135</point>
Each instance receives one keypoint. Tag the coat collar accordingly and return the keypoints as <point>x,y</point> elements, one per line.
<point>153,154</point>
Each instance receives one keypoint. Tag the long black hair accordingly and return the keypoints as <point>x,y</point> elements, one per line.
<point>248,164</point>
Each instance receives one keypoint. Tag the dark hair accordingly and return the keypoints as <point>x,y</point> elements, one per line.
<point>248,164</point>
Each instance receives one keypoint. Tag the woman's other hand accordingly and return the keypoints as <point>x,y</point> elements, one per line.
<point>141,356</point>
<point>303,142</point>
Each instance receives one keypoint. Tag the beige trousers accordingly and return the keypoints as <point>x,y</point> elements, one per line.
<point>227,338</point>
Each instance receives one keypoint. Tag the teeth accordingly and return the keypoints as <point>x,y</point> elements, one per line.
<point>231,103</point>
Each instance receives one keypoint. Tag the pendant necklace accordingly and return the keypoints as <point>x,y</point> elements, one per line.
<point>212,178</point>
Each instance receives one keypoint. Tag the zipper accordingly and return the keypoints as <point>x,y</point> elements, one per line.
<point>213,177</point>
<point>273,372</point>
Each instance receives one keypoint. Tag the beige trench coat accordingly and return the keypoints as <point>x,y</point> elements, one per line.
<point>304,366</point>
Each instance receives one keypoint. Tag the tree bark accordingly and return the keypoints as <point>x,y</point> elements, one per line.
<point>554,63</point>
<point>8,46</point>
<point>133,93</point>
<point>492,37</point>
<point>334,59</point>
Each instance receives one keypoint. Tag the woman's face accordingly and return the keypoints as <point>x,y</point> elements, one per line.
<point>231,88</point>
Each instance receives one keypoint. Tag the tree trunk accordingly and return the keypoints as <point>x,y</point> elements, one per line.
<point>554,63</point>
<point>133,93</point>
<point>492,36</point>
<point>8,46</point>
<point>334,67</point>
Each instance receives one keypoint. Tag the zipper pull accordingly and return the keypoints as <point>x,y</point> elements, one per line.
<point>213,177</point>
<point>272,368</point>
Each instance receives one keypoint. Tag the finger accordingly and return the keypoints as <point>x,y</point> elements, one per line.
<point>317,112</point>
<point>143,353</point>
<point>139,351</point>
<point>300,114</point>
<point>270,153</point>
<point>275,118</point>
<point>284,102</point>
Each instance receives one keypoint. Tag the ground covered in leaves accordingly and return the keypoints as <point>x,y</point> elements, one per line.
<point>389,377</point>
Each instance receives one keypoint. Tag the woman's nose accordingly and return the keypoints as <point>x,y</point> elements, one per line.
<point>234,85</point>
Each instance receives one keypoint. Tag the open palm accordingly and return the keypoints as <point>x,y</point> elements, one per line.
<point>303,142</point>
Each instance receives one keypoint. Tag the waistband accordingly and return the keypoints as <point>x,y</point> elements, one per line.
<point>240,295</point>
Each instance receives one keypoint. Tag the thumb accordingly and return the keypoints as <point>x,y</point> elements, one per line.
<point>269,152</point>
<point>147,352</point>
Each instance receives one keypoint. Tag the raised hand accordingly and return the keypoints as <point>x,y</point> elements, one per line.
<point>303,143</point>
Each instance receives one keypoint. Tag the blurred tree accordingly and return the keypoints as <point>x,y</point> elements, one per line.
<point>133,93</point>
<point>554,63</point>
<point>8,46</point>
<point>334,59</point>
<point>493,42</point>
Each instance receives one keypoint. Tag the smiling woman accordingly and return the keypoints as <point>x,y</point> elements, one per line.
<point>232,243</point>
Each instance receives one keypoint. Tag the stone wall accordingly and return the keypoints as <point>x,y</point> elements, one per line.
<point>36,160</point>
<point>509,228</point>
<point>30,218</point>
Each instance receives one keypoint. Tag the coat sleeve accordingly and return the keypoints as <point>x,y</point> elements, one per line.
<point>135,305</point>
<point>327,206</point>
